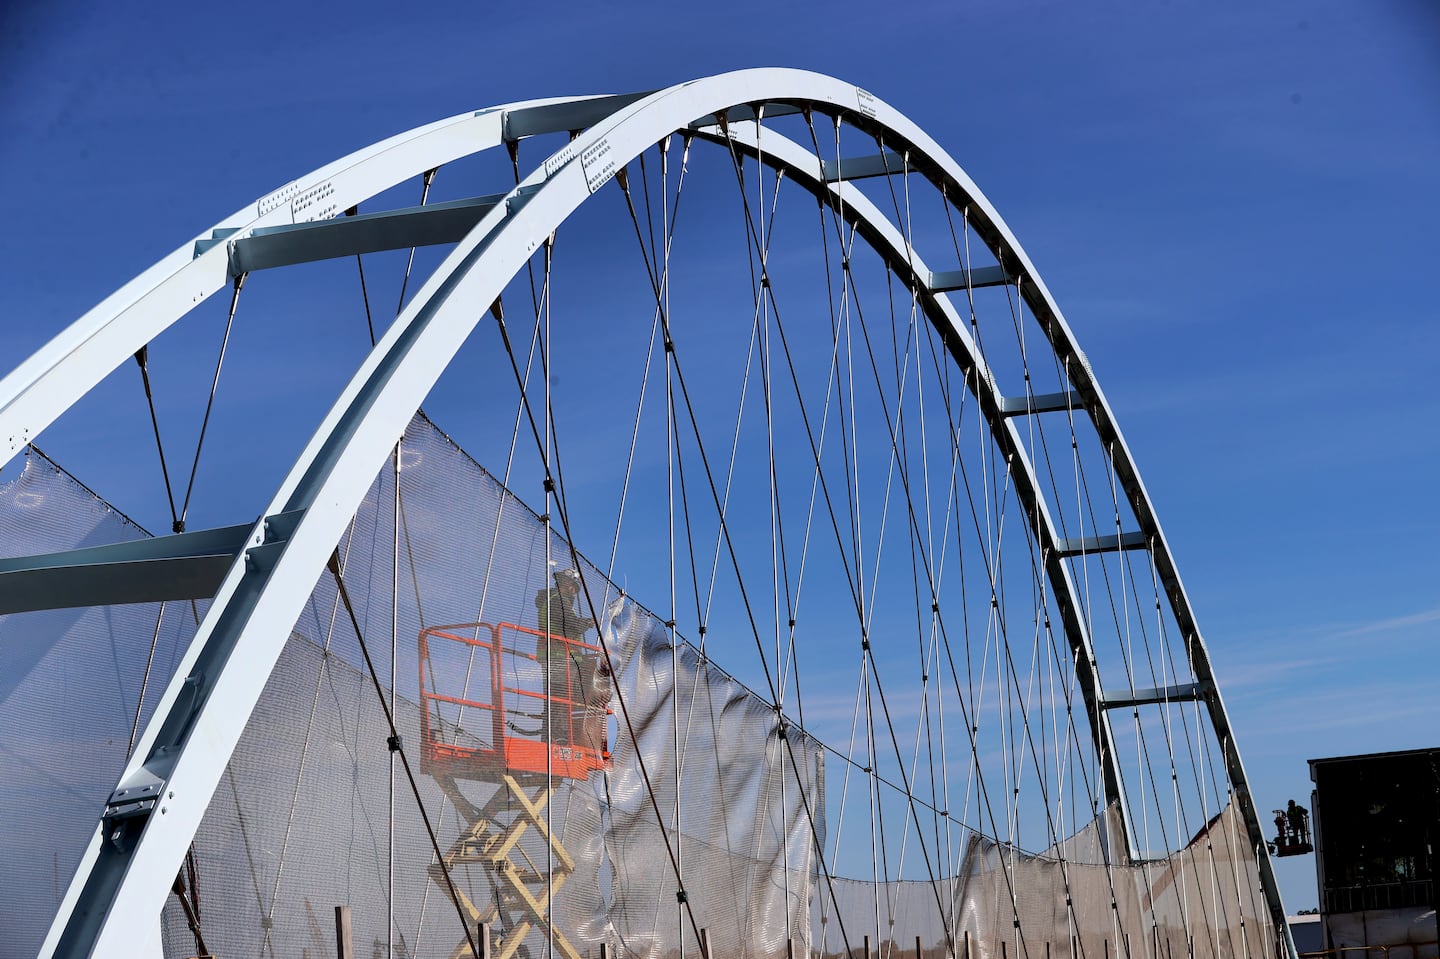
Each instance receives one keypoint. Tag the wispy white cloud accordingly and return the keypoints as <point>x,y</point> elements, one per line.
<point>1241,675</point>
<point>1390,624</point>
<point>1338,716</point>
<point>1333,643</point>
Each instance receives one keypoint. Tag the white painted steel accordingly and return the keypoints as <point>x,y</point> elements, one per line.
<point>255,607</point>
<point>983,216</point>
<point>806,169</point>
<point>70,365</point>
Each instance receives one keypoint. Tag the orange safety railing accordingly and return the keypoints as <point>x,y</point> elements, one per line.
<point>493,701</point>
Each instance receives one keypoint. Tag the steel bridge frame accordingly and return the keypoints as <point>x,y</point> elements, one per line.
<point>113,904</point>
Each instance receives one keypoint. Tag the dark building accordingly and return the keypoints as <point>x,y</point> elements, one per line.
<point>1376,833</point>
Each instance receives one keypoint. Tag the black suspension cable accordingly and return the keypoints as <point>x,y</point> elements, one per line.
<point>145,681</point>
<point>333,565</point>
<point>553,480</point>
<point>858,594</point>
<point>1069,701</point>
<point>837,214</point>
<point>142,358</point>
<point>364,292</point>
<point>662,285</point>
<point>724,528</point>
<point>428,179</point>
<point>179,525</point>
<point>249,855</point>
<point>1035,577</point>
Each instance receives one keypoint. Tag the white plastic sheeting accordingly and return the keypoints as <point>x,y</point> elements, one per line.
<point>302,821</point>
<point>716,793</point>
<point>1203,902</point>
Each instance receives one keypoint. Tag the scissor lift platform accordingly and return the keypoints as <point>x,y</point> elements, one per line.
<point>496,708</point>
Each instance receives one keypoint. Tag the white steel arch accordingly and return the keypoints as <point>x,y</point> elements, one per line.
<point>122,882</point>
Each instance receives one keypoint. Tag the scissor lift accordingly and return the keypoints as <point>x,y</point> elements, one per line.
<point>1292,836</point>
<point>489,724</point>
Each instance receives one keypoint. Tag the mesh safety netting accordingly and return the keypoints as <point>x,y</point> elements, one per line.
<point>710,789</point>
<point>1073,900</point>
<point>71,684</point>
<point>310,816</point>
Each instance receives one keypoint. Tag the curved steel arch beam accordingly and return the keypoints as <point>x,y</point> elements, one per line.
<point>808,170</point>
<point>121,884</point>
<point>933,161</point>
<point>57,375</point>
<point>811,172</point>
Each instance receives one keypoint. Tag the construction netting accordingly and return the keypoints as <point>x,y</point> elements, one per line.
<point>571,776</point>
<point>316,811</point>
<point>1079,900</point>
<point>76,687</point>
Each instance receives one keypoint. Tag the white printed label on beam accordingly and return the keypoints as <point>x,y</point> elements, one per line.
<point>865,101</point>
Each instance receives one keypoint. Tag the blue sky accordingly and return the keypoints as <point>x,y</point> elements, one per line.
<point>1233,203</point>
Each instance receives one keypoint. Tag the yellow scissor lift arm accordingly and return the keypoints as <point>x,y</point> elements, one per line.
<point>528,766</point>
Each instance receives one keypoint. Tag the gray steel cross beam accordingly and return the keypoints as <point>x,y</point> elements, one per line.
<point>184,566</point>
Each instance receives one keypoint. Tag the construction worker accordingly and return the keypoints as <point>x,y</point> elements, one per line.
<point>1299,823</point>
<point>562,662</point>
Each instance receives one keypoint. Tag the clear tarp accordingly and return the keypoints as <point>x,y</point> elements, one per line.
<point>743,793</point>
<point>310,815</point>
<point>505,730</point>
<point>1202,902</point>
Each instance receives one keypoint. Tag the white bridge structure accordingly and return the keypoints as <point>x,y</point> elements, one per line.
<point>877,644</point>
